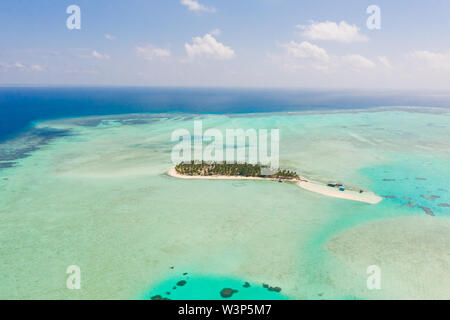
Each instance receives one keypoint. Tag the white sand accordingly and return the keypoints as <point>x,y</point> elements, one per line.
<point>366,196</point>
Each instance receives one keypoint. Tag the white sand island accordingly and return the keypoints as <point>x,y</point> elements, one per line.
<point>173,173</point>
<point>317,187</point>
<point>365,196</point>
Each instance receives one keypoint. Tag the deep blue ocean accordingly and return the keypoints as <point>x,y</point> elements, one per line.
<point>20,106</point>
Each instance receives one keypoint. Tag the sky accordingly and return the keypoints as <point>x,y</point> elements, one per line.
<point>227,43</point>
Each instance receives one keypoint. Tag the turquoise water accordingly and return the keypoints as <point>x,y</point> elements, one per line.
<point>209,288</point>
<point>96,195</point>
<point>427,187</point>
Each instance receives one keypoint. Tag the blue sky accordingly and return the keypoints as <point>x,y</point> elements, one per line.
<point>251,43</point>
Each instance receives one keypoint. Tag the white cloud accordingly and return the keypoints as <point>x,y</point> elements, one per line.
<point>306,50</point>
<point>18,65</point>
<point>98,55</point>
<point>208,46</point>
<point>150,52</point>
<point>89,71</point>
<point>21,66</point>
<point>328,30</point>
<point>109,37</point>
<point>357,61</point>
<point>194,5</point>
<point>307,55</point>
<point>433,60</point>
<point>37,68</point>
<point>385,62</point>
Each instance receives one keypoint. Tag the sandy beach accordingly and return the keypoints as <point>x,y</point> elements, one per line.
<point>366,196</point>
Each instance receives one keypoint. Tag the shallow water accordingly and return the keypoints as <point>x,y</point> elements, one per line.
<point>99,198</point>
<point>211,288</point>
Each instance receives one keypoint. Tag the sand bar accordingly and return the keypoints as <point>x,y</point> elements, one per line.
<point>366,196</point>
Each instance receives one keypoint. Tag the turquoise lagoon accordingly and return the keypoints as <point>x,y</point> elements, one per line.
<point>98,197</point>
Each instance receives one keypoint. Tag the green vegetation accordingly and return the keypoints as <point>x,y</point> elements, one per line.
<point>232,169</point>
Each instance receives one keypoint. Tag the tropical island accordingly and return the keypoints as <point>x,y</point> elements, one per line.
<point>234,170</point>
<point>246,171</point>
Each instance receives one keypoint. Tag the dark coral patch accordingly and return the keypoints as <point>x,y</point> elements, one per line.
<point>23,145</point>
<point>227,292</point>
<point>432,197</point>
<point>181,283</point>
<point>7,164</point>
<point>427,210</point>
<point>410,204</point>
<point>270,288</point>
<point>159,297</point>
